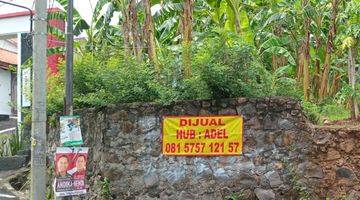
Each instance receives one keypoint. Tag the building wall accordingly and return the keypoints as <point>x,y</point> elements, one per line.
<point>18,25</point>
<point>5,92</point>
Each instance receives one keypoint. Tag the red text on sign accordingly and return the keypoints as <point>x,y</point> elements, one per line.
<point>215,134</point>
<point>185,134</point>
<point>201,122</point>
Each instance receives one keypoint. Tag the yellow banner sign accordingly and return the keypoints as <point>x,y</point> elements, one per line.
<point>202,136</point>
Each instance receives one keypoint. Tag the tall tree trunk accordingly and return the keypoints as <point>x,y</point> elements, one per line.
<point>300,64</point>
<point>306,80</point>
<point>187,29</point>
<point>352,82</point>
<point>135,31</point>
<point>335,83</point>
<point>237,24</point>
<point>278,60</point>
<point>329,50</point>
<point>316,80</point>
<point>282,61</point>
<point>274,62</point>
<point>149,35</point>
<point>126,32</point>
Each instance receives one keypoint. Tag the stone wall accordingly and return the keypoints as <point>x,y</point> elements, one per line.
<point>125,147</point>
<point>337,152</point>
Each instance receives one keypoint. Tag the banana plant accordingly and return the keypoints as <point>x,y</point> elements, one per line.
<point>351,43</point>
<point>232,16</point>
<point>80,25</point>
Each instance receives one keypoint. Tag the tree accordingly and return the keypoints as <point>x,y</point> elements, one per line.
<point>306,54</point>
<point>329,50</point>
<point>150,35</point>
<point>186,23</point>
<point>352,80</point>
<point>135,34</point>
<point>351,43</point>
<point>125,28</point>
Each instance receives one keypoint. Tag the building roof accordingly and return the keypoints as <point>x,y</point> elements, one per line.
<point>25,13</point>
<point>7,10</point>
<point>7,58</point>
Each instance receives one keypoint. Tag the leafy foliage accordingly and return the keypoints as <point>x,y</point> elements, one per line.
<point>102,79</point>
<point>238,48</point>
<point>10,144</point>
<point>234,71</point>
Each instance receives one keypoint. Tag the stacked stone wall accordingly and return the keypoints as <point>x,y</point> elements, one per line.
<point>125,147</point>
<point>337,152</point>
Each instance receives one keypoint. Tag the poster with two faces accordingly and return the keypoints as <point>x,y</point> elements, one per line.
<point>70,161</point>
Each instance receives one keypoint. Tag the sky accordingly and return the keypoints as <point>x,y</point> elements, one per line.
<point>84,7</point>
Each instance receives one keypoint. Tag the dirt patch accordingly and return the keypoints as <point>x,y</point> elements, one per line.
<point>342,124</point>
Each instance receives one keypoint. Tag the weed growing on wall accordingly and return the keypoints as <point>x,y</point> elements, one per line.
<point>296,183</point>
<point>103,183</point>
<point>49,189</point>
<point>240,196</point>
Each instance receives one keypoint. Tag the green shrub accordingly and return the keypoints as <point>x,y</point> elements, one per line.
<point>219,70</point>
<point>232,70</point>
<point>312,111</point>
<point>55,93</point>
<point>99,83</point>
<point>284,86</point>
<point>172,86</point>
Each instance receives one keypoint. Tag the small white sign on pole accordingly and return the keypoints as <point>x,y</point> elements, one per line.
<point>26,87</point>
<point>70,132</point>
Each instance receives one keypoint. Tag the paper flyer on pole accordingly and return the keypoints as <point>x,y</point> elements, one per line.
<point>70,171</point>
<point>70,132</point>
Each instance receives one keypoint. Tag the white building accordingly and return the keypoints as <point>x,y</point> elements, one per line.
<point>15,49</point>
<point>14,28</point>
<point>8,83</point>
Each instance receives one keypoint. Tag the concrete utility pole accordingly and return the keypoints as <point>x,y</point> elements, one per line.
<point>69,59</point>
<point>38,130</point>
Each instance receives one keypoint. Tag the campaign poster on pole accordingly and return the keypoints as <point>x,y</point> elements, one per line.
<point>70,171</point>
<point>70,132</point>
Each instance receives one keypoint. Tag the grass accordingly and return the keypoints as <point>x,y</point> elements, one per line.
<point>334,112</point>
<point>318,114</point>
